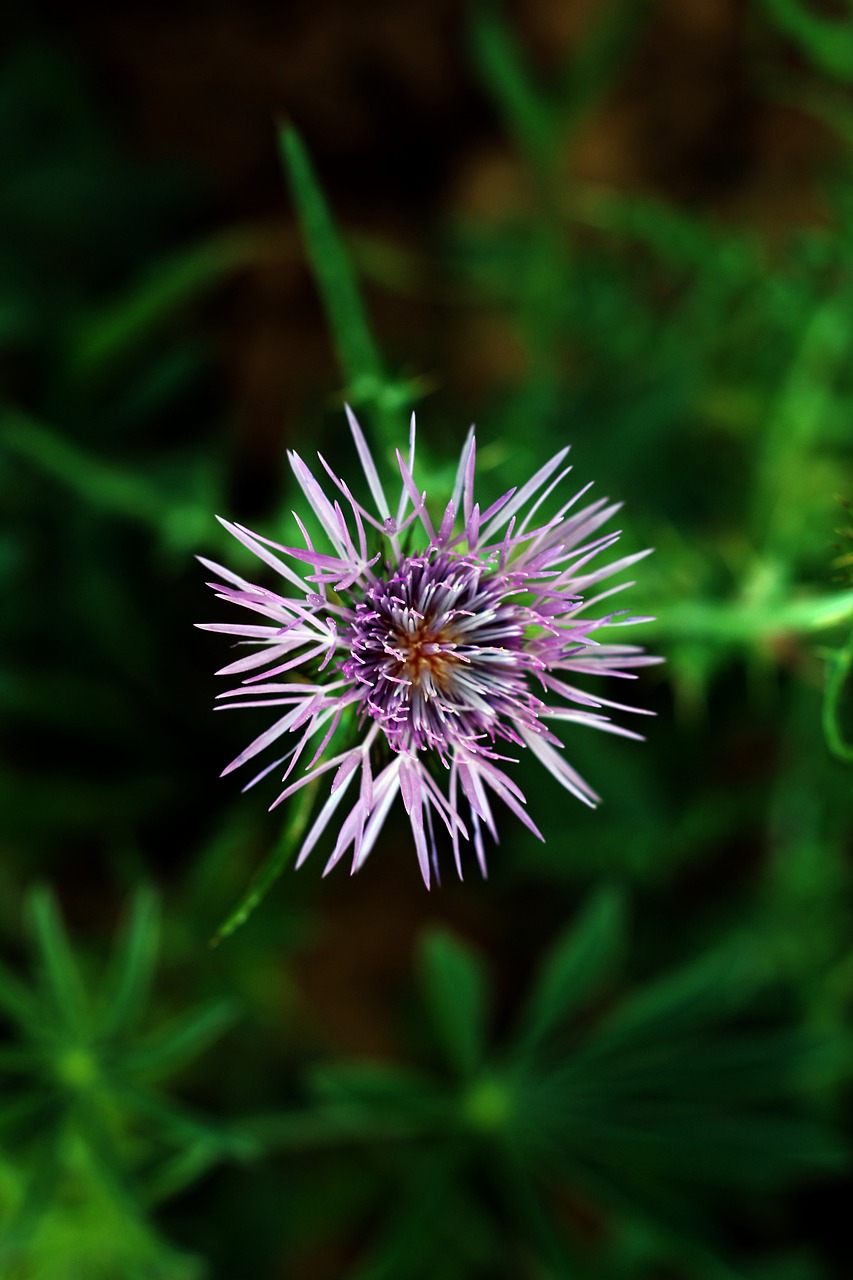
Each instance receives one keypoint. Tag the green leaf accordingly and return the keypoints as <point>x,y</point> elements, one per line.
<point>576,969</point>
<point>595,64</point>
<point>134,966</point>
<point>17,1002</point>
<point>180,1125</point>
<point>354,343</point>
<point>524,1203</point>
<point>755,1067</point>
<point>182,1170</point>
<point>529,115</point>
<point>119,329</point>
<point>456,990</point>
<point>278,860</point>
<point>705,992</point>
<point>104,485</point>
<point>181,1040</point>
<point>419,1239</point>
<point>104,1153</point>
<point>60,974</point>
<point>340,1125</point>
<point>38,1196</point>
<point>372,1087</point>
<point>827,41</point>
<point>838,664</point>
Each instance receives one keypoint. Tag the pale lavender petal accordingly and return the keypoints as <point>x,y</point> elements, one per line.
<point>526,491</point>
<point>557,767</point>
<point>368,466</point>
<point>463,485</point>
<point>320,504</point>
<point>322,822</point>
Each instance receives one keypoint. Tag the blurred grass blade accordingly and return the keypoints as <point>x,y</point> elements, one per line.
<point>179,1125</point>
<point>529,116</point>
<point>797,424</point>
<point>101,483</point>
<point>59,972</point>
<point>17,1002</point>
<point>828,41</point>
<point>354,343</point>
<point>24,1114</point>
<point>758,1068</point>
<point>699,995</point>
<point>417,1239</point>
<point>120,329</point>
<point>18,1061</point>
<point>576,968</point>
<point>130,981</point>
<point>283,853</point>
<point>456,989</point>
<point>37,1200</point>
<point>372,1088</point>
<point>524,1203</point>
<point>334,1126</point>
<point>181,1040</point>
<point>838,664</point>
<point>106,1161</point>
<point>594,65</point>
<point>182,1170</point>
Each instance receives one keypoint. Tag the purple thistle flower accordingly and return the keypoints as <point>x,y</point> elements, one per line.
<point>429,666</point>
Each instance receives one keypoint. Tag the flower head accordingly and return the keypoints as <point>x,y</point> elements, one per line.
<point>410,666</point>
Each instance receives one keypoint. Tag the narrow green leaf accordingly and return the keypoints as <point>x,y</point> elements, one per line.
<point>105,1159</point>
<point>417,1237</point>
<point>182,1170</point>
<point>281,856</point>
<point>38,1196</point>
<point>60,974</point>
<point>515,1179</point>
<point>180,1125</point>
<point>596,63</point>
<point>752,1067</point>
<point>136,955</point>
<point>17,1002</point>
<point>456,989</point>
<point>118,330</point>
<point>103,484</point>
<point>25,1114</point>
<point>181,1040</point>
<point>354,343</point>
<point>17,1060</point>
<point>576,969</point>
<point>529,115</point>
<point>838,664</point>
<point>827,41</point>
<point>377,1093</point>
<point>338,1126</point>
<point>708,990</point>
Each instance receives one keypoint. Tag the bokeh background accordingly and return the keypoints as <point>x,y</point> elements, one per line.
<point>621,224</point>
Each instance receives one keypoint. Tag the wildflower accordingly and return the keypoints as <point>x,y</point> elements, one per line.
<point>405,667</point>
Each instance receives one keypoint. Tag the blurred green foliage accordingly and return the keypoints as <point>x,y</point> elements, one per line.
<point>669,1105</point>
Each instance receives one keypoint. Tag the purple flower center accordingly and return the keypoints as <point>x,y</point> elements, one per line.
<point>438,651</point>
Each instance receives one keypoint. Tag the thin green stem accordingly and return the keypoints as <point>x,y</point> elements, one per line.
<point>838,663</point>
<point>272,868</point>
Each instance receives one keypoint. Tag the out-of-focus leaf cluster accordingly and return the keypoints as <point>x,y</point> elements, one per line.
<point>641,1109</point>
<point>91,1135</point>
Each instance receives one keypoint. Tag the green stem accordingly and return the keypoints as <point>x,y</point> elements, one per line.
<point>838,663</point>
<point>272,868</point>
